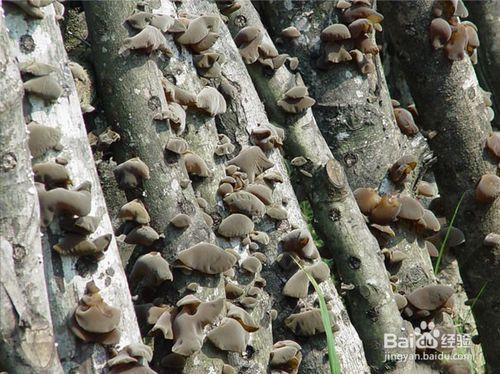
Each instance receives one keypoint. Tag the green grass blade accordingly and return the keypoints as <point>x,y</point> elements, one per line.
<point>479,294</point>
<point>333,359</point>
<point>443,244</point>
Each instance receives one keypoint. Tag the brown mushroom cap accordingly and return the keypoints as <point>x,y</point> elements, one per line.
<point>198,29</point>
<point>242,316</point>
<point>38,69</point>
<point>353,13</point>
<point>277,212</point>
<point>195,165</point>
<point>81,225</point>
<point>306,323</point>
<point>295,106</point>
<point>259,237</point>
<point>248,40</point>
<point>174,361</point>
<point>386,211</point>
<point>411,209</point>
<point>129,173</point>
<point>492,240</point>
<point>77,245</point>
<point>367,199</point>
<point>249,302</point>
<point>207,258</point>
<point>251,264</point>
<point>65,202</point>
<point>400,170</point>
<point>335,32</point>
<point>42,138</point>
<point>405,121</point>
<point>211,101</point>
<point>142,235</point>
<point>264,193</point>
<point>252,161</point>
<point>493,143</point>
<point>426,189</point>
<point>430,221</point>
<point>299,241</point>
<point>148,40</point>
<point>228,369</point>
<point>51,174</point>
<point>401,301</point>
<point>456,46</point>
<point>225,189</point>
<point>151,270</point>
<point>177,145</point>
<point>46,87</point>
<point>122,358</point>
<point>440,32</point>
<point>290,32</point>
<point>181,221</point>
<point>455,237</point>
<point>164,324</point>
<point>94,315</point>
<point>229,336</point>
<point>188,328</point>
<point>298,284</point>
<point>431,249</point>
<point>286,356</point>
<point>233,291</point>
<point>360,27</point>
<point>134,211</point>
<point>235,225</point>
<point>178,95</point>
<point>430,297</point>
<point>488,189</point>
<point>139,20</point>
<point>190,300</point>
<point>246,203</point>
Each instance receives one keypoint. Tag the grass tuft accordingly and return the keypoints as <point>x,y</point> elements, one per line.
<point>333,359</point>
<point>443,244</point>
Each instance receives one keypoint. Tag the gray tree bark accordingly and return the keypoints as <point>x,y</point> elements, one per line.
<point>131,95</point>
<point>451,103</point>
<point>486,16</point>
<point>202,136</point>
<point>26,331</point>
<point>336,214</point>
<point>355,116</point>
<point>245,112</point>
<point>67,276</point>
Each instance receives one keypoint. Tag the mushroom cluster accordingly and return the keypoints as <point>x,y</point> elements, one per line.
<point>254,48</point>
<point>135,228</point>
<point>405,118</point>
<point>95,321</point>
<point>40,80</point>
<point>382,211</point>
<point>426,302</point>
<point>353,39</point>
<point>296,100</point>
<point>447,31</point>
<point>42,139</point>
<point>285,357</point>
<point>131,358</point>
<point>72,208</point>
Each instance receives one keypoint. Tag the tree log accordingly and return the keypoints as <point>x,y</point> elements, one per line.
<point>26,331</point>
<point>451,103</point>
<point>131,95</point>
<point>245,112</point>
<point>67,276</point>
